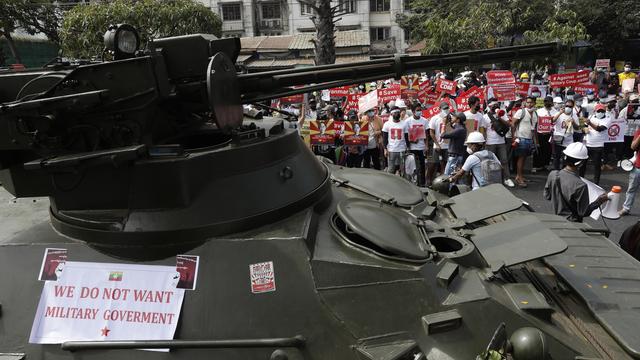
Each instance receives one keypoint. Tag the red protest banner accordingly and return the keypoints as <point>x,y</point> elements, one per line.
<point>569,79</point>
<point>582,77</point>
<point>499,77</point>
<point>522,88</point>
<point>582,89</point>
<point>432,111</point>
<point>446,86</point>
<point>352,102</point>
<point>293,99</point>
<point>388,94</point>
<point>339,92</point>
<point>425,86</point>
<point>504,92</point>
<point>545,123</point>
<point>462,101</point>
<point>409,94</point>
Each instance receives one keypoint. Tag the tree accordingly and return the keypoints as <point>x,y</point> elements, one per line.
<point>84,26</point>
<point>32,16</point>
<point>324,19</point>
<point>456,25</point>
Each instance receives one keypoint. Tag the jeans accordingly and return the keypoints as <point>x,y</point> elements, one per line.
<point>372,156</point>
<point>634,182</point>
<point>419,158</point>
<point>595,154</point>
<point>501,152</point>
<point>453,161</point>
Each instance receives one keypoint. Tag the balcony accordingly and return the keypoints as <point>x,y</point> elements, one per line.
<point>235,25</point>
<point>271,24</point>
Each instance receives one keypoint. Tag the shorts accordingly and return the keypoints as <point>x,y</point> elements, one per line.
<point>439,156</point>
<point>524,148</point>
<point>394,159</point>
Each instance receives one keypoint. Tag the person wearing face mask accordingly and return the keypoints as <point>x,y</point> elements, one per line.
<point>600,77</point>
<point>545,116</point>
<point>631,115</point>
<point>418,128</point>
<point>473,164</point>
<point>474,117</point>
<point>558,103</point>
<point>567,192</point>
<point>590,104</point>
<point>565,122</point>
<point>597,126</point>
<point>524,128</point>
<point>437,126</point>
<point>456,142</point>
<point>307,114</point>
<point>626,74</point>
<point>612,150</point>
<point>395,138</point>
<point>497,124</point>
<point>372,152</point>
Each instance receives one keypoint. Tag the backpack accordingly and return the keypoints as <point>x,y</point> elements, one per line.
<point>498,126</point>
<point>490,168</point>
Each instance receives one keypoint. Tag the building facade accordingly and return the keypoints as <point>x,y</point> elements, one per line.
<point>249,18</point>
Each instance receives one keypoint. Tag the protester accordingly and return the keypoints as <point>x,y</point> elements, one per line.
<point>437,126</point>
<point>498,126</point>
<point>476,163</point>
<point>631,115</point>
<point>474,117</point>
<point>567,192</point>
<point>456,142</point>
<point>524,129</point>
<point>395,138</point>
<point>355,153</point>
<point>372,153</point>
<point>596,137</point>
<point>600,77</point>
<point>626,74</point>
<point>634,176</point>
<point>612,150</point>
<point>418,128</point>
<point>542,158</point>
<point>564,125</point>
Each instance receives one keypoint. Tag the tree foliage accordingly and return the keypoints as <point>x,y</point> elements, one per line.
<point>32,16</point>
<point>324,19</point>
<point>84,26</point>
<point>457,25</point>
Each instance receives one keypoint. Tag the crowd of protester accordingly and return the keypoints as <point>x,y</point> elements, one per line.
<point>504,132</point>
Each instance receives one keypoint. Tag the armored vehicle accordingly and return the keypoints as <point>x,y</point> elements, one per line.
<point>149,168</point>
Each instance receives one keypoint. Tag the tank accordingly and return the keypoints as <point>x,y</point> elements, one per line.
<point>141,176</point>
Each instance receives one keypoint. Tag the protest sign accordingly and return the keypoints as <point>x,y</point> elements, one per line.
<point>388,94</point>
<point>326,95</point>
<point>262,277</point>
<point>627,85</point>
<point>522,88</point>
<point>432,111</point>
<point>293,99</point>
<point>52,264</point>
<point>367,102</point>
<point>352,102</point>
<point>545,124</point>
<point>338,128</point>
<point>616,131</point>
<point>462,101</point>
<point>339,92</point>
<point>108,301</point>
<point>505,92</point>
<point>321,132</point>
<point>569,79</point>
<point>424,86</point>
<point>500,77</point>
<point>603,63</point>
<point>446,86</point>
<point>583,88</point>
<point>417,132</point>
<point>356,133</point>
<point>409,82</point>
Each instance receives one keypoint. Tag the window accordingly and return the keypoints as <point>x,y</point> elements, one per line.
<point>380,33</point>
<point>271,11</point>
<point>347,6</point>
<point>306,9</point>
<point>379,5</point>
<point>231,12</point>
<point>406,5</point>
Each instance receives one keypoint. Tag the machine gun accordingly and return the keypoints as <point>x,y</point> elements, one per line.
<point>111,142</point>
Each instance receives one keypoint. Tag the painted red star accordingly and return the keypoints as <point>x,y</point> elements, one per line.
<point>105,331</point>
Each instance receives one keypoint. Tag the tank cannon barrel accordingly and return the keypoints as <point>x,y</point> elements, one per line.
<point>273,84</point>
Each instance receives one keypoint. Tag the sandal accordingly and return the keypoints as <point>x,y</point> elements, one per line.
<point>521,183</point>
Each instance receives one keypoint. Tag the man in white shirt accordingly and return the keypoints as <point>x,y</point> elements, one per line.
<point>437,126</point>
<point>596,137</point>
<point>418,127</point>
<point>496,120</point>
<point>524,125</point>
<point>545,116</point>
<point>475,119</point>
<point>395,138</point>
<point>565,122</point>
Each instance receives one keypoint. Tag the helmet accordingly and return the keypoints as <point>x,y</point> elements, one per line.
<point>400,103</point>
<point>557,100</point>
<point>529,343</point>
<point>600,106</point>
<point>475,137</point>
<point>441,184</point>
<point>577,150</point>
<point>524,75</point>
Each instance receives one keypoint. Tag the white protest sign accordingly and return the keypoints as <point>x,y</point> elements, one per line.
<point>602,63</point>
<point>594,191</point>
<point>616,130</point>
<point>103,301</point>
<point>368,102</point>
<point>627,85</point>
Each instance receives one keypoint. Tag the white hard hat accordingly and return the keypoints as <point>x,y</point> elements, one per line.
<point>475,137</point>
<point>392,104</point>
<point>400,103</point>
<point>577,150</point>
<point>557,100</point>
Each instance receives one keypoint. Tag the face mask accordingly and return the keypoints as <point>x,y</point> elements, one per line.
<point>600,115</point>
<point>568,110</point>
<point>535,94</point>
<point>477,107</point>
<point>417,114</point>
<point>626,69</point>
<point>570,97</point>
<point>444,112</point>
<point>469,151</point>
<point>370,113</point>
<point>396,116</point>
<point>557,106</point>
